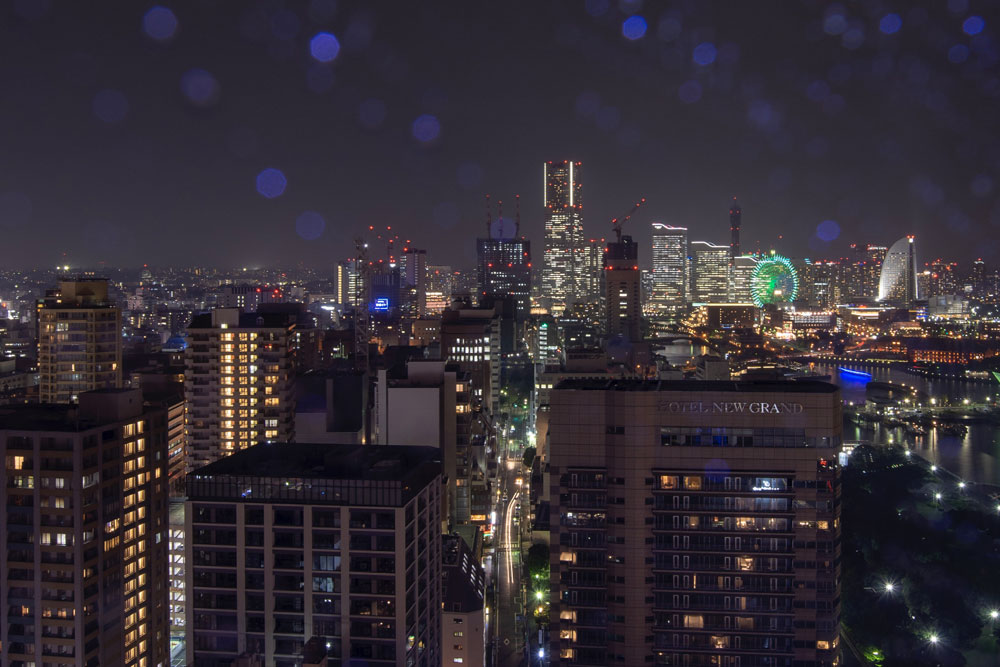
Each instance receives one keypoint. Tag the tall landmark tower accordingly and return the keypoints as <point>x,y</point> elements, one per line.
<point>735,221</point>
<point>563,259</point>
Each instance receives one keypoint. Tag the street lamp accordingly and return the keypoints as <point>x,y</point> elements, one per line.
<point>937,497</point>
<point>934,639</point>
<point>890,587</point>
<point>933,468</point>
<point>994,614</point>
<point>961,485</point>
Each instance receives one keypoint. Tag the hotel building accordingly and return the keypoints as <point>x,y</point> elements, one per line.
<point>699,523</point>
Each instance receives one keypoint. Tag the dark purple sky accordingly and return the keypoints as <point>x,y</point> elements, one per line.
<point>129,139</point>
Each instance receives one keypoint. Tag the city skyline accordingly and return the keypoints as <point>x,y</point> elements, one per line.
<point>800,136</point>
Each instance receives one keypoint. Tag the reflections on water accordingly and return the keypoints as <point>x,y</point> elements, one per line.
<point>974,456</point>
<point>680,352</point>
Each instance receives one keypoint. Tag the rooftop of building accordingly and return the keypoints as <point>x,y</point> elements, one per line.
<point>415,466</point>
<point>692,386</point>
<point>463,577</point>
<point>66,417</point>
<point>258,320</point>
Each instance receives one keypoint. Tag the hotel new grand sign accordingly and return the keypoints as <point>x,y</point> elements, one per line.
<point>729,407</point>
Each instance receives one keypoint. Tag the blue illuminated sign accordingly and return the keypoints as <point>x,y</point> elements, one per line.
<point>381,304</point>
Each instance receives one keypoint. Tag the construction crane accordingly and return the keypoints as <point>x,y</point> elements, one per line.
<point>617,224</point>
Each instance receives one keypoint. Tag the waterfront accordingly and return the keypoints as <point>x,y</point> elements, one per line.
<point>974,456</point>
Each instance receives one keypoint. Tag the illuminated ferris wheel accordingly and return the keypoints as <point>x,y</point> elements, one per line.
<point>774,281</point>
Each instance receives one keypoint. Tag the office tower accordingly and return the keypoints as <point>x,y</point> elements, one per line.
<point>862,277</point>
<point>504,272</point>
<point>346,283</point>
<point>470,337</point>
<point>740,277</point>
<point>976,282</point>
<point>670,267</point>
<point>245,297</point>
<point>430,403</point>
<point>735,222</point>
<point>823,283</point>
<point>700,523</point>
<point>384,298</point>
<point>622,305</point>
<point>709,272</point>
<point>942,279</point>
<point>85,512</point>
<point>564,246</point>
<point>413,282</point>
<point>293,541</point>
<point>593,276</point>
<point>438,289</point>
<point>898,278</point>
<point>79,341</point>
<point>463,618</point>
<point>238,382</point>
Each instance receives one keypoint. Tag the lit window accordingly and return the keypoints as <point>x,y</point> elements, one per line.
<point>694,621</point>
<point>822,645</point>
<point>693,482</point>
<point>668,482</point>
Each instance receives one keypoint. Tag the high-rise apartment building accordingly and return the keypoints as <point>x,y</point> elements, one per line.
<point>463,618</point>
<point>709,272</point>
<point>700,523</point>
<point>504,272</point>
<point>593,277</point>
<point>84,563</point>
<point>293,541</point>
<point>865,265</point>
<point>671,278</point>
<point>79,341</point>
<point>623,307</point>
<point>238,382</point>
<point>564,243</point>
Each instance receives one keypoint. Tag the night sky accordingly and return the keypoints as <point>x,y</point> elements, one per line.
<point>133,133</point>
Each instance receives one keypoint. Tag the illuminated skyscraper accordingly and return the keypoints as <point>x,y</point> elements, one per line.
<point>347,283</point>
<point>710,272</point>
<point>438,289</point>
<point>740,275</point>
<point>898,279</point>
<point>670,266</point>
<point>735,222</point>
<point>563,257</point>
<point>413,282</point>
<point>504,267</point>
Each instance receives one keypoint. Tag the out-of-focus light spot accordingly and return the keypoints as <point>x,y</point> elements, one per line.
<point>588,104</point>
<point>853,38</point>
<point>310,225</point>
<point>445,215</point>
<point>271,183</point>
<point>608,118</point>
<point>110,106</point>
<point>159,23</point>
<point>668,29</point>
<point>470,175</point>
<point>597,7</point>
<point>973,25</point>
<point>322,10</point>
<point>817,91</point>
<point>285,25</point>
<point>32,10</point>
<point>958,54</point>
<point>634,27</point>
<point>828,230</point>
<point>426,128</point>
<point>371,113</point>
<point>760,113</point>
<point>981,185</point>
<point>15,209</point>
<point>324,47</point>
<point>704,54</point>
<point>834,24</point>
<point>319,78</point>
<point>200,87</point>
<point>890,24</point>
<point>689,92</point>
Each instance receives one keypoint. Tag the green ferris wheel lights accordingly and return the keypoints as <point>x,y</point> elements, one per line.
<point>774,280</point>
